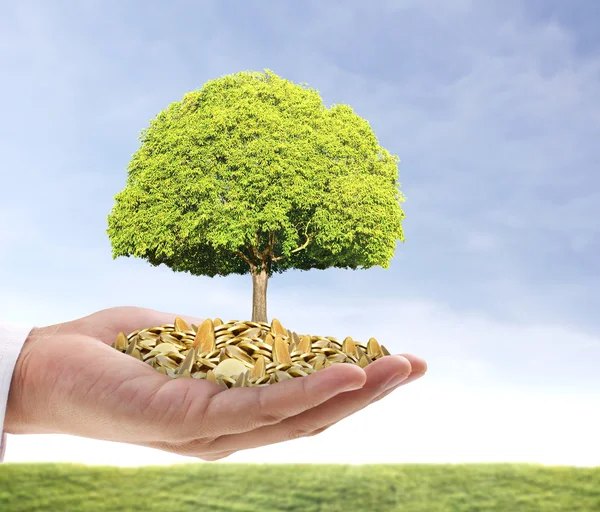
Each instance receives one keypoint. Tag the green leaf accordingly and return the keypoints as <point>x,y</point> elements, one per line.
<point>255,162</point>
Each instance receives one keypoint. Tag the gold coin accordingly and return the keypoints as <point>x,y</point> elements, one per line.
<point>189,360</point>
<point>121,343</point>
<point>241,354</point>
<point>349,347</point>
<point>281,352</point>
<point>205,337</point>
<point>277,328</point>
<point>304,345</point>
<point>229,368</point>
<point>269,339</point>
<point>131,347</point>
<point>235,352</point>
<point>181,325</point>
<point>373,347</point>
<point>259,367</point>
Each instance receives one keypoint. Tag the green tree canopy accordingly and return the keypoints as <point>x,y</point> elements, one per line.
<point>253,174</point>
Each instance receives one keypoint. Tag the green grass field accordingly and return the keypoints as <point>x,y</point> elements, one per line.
<point>298,487</point>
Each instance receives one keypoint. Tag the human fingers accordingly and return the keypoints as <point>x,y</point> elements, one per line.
<point>419,368</point>
<point>238,410</point>
<point>417,364</point>
<point>380,374</point>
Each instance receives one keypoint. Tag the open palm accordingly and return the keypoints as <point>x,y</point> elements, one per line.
<point>69,380</point>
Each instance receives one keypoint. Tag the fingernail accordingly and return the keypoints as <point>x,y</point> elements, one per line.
<point>395,380</point>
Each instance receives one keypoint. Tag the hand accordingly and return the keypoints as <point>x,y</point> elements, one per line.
<point>68,380</point>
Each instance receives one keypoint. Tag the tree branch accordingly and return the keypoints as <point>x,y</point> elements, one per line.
<point>303,246</point>
<point>254,251</point>
<point>308,240</point>
<point>267,253</point>
<point>271,247</point>
<point>244,257</point>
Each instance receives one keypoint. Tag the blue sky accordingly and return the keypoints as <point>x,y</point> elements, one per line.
<point>493,108</point>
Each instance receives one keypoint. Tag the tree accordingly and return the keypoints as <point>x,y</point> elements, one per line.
<point>253,174</point>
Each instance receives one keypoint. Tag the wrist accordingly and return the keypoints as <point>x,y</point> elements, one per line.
<point>21,408</point>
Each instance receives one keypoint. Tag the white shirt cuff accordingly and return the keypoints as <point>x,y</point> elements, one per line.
<point>12,338</point>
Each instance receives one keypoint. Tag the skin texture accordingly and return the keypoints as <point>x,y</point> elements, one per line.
<point>68,380</point>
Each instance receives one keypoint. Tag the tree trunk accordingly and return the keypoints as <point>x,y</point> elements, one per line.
<point>259,295</point>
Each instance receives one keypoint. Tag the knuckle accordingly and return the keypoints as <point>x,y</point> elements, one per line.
<point>306,393</point>
<point>385,393</point>
<point>302,431</point>
<point>319,431</point>
<point>208,457</point>
<point>195,448</point>
<point>212,457</point>
<point>266,414</point>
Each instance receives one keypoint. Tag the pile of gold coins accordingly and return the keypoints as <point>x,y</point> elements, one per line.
<point>241,354</point>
